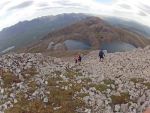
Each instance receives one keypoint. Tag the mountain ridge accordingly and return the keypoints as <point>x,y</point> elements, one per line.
<point>130,25</point>
<point>92,30</point>
<point>26,32</point>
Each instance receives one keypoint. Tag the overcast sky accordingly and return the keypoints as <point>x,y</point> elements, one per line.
<point>13,11</point>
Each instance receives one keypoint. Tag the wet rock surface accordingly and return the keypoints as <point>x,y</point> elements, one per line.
<point>34,83</point>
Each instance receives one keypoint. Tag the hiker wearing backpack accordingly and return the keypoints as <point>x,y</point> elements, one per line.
<point>101,55</point>
<point>79,58</point>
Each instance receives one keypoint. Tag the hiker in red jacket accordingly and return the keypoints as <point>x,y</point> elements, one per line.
<point>147,111</point>
<point>78,59</point>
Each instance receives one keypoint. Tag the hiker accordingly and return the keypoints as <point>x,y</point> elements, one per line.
<point>101,55</point>
<point>79,58</point>
<point>147,111</point>
<point>76,59</point>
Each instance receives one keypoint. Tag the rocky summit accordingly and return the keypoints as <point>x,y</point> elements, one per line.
<point>34,83</point>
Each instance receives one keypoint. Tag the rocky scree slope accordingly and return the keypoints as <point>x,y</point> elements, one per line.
<point>33,83</point>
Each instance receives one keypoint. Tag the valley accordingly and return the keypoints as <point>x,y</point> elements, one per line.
<point>65,31</point>
<point>93,32</point>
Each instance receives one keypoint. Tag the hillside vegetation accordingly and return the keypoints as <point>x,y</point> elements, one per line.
<point>91,30</point>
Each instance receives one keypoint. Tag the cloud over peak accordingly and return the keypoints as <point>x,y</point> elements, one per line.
<point>21,5</point>
<point>14,11</point>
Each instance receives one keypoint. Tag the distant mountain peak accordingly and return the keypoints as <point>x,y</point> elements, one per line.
<point>24,33</point>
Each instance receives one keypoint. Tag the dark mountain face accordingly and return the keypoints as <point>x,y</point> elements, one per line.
<point>27,32</point>
<point>92,31</point>
<point>130,25</point>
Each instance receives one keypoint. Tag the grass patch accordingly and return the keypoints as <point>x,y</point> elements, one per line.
<point>101,87</point>
<point>87,80</point>
<point>77,87</point>
<point>147,84</point>
<point>26,106</point>
<point>30,71</point>
<point>82,95</point>
<point>9,79</point>
<point>32,87</point>
<point>58,73</point>
<point>123,98</point>
<point>71,74</point>
<point>64,98</point>
<point>137,80</point>
<point>109,81</point>
<point>53,80</point>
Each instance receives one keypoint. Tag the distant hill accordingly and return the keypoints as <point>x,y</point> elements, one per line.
<point>91,30</point>
<point>130,25</point>
<point>26,32</point>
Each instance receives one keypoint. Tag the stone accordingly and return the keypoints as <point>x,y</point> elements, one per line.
<point>117,108</point>
<point>57,108</point>
<point>124,108</point>
<point>87,111</point>
<point>50,45</point>
<point>2,91</point>
<point>45,100</point>
<point>15,101</point>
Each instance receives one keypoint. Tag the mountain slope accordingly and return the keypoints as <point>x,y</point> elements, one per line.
<point>130,25</point>
<point>27,32</point>
<point>91,30</point>
<point>33,82</point>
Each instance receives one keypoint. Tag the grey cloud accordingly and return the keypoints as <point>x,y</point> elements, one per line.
<point>52,8</point>
<point>67,3</point>
<point>43,5</point>
<point>145,8</point>
<point>60,4</point>
<point>125,6</point>
<point>117,12</point>
<point>22,5</point>
<point>47,8</point>
<point>142,14</point>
